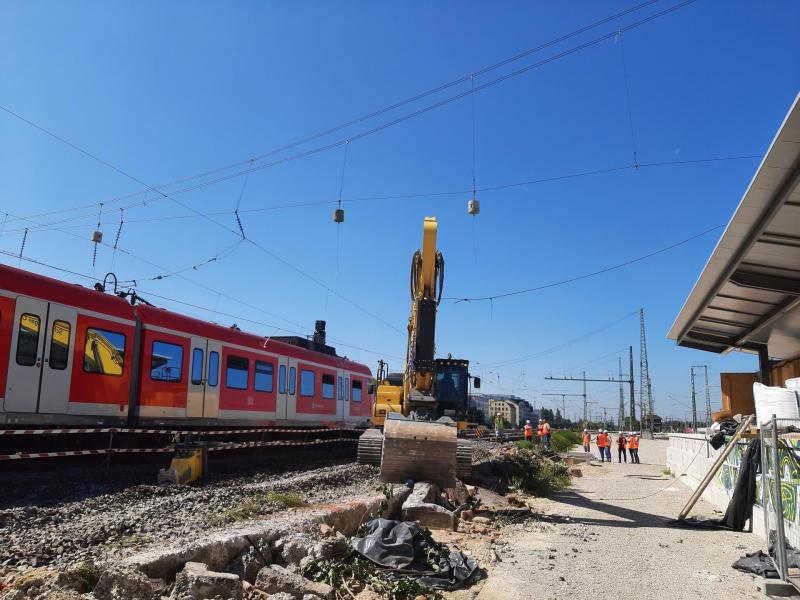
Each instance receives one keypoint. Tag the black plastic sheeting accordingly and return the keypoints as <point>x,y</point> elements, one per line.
<point>400,545</point>
<point>740,508</point>
<point>764,565</point>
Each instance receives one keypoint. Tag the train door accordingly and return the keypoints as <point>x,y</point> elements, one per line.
<point>58,356</point>
<point>286,399</point>
<point>211,401</point>
<point>203,395</point>
<point>341,403</point>
<point>197,382</point>
<point>40,362</point>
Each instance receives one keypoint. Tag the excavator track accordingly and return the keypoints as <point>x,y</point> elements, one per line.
<point>464,459</point>
<point>370,447</point>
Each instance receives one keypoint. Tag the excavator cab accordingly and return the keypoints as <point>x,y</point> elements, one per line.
<point>451,390</point>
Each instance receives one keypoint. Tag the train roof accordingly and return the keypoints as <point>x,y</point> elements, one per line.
<point>162,317</point>
<point>40,286</point>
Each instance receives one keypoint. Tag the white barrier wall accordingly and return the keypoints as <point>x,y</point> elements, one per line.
<point>691,453</point>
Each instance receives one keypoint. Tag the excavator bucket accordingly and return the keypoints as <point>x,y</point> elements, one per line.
<point>419,450</point>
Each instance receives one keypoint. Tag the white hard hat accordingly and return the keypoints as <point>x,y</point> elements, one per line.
<point>586,430</point>
<point>528,422</point>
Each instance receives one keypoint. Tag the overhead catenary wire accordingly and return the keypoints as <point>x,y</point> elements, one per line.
<point>621,265</point>
<point>180,276</point>
<point>381,111</point>
<point>553,349</point>
<point>409,196</point>
<point>628,99</point>
<point>263,249</point>
<point>200,307</point>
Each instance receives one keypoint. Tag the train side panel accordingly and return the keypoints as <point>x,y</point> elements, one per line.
<point>163,386</point>
<point>248,387</point>
<point>102,366</point>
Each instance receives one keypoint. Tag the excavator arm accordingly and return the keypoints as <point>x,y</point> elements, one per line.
<point>427,277</point>
<point>419,413</point>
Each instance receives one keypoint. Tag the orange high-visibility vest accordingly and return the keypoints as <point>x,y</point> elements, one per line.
<point>586,439</point>
<point>540,430</point>
<point>633,442</point>
<point>602,440</point>
<point>621,441</point>
<point>545,428</point>
<point>528,430</point>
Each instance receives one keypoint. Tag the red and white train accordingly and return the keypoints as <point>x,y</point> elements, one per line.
<point>73,355</point>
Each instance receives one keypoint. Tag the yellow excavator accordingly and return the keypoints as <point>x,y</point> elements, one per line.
<point>423,409</point>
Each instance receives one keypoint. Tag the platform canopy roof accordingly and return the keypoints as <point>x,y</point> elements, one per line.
<point>748,295</point>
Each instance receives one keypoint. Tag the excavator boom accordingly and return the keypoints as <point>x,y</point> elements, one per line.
<point>421,414</point>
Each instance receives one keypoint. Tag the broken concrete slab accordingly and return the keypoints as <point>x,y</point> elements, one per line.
<point>347,517</point>
<point>198,582</point>
<point>274,579</point>
<point>420,507</point>
<point>128,584</point>
<point>216,551</point>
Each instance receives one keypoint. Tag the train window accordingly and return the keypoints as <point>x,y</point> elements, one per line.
<point>28,339</point>
<point>213,368</point>
<point>104,352</point>
<point>292,380</point>
<point>59,345</point>
<point>263,380</point>
<point>356,390</point>
<point>166,362</point>
<point>197,366</point>
<point>282,379</point>
<point>328,386</point>
<point>236,372</point>
<point>341,388</point>
<point>307,383</point>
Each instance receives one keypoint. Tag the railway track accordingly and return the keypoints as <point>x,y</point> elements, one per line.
<point>58,443</point>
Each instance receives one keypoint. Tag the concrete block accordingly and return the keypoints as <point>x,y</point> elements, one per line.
<point>196,581</point>
<point>274,579</point>
<point>127,584</point>
<point>776,587</point>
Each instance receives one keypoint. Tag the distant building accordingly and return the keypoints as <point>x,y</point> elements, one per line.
<point>481,412</point>
<point>508,409</point>
<point>657,421</point>
<point>526,412</point>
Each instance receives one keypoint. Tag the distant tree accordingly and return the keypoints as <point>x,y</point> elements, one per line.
<point>547,414</point>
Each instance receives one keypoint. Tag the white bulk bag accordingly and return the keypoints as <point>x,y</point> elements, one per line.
<point>776,401</point>
<point>793,384</point>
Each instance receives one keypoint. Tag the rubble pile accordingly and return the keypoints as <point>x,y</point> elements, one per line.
<point>528,470</point>
<point>111,547</point>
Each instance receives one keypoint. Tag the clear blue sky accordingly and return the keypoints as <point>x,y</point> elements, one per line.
<point>166,90</point>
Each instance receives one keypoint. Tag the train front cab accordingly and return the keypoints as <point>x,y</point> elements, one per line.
<point>62,362</point>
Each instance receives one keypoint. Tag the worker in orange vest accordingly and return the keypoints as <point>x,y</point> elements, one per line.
<point>587,440</point>
<point>546,433</point>
<point>622,443</point>
<point>540,431</point>
<point>602,442</point>
<point>633,446</point>
<point>528,429</point>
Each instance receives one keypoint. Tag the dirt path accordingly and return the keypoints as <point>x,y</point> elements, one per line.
<point>607,547</point>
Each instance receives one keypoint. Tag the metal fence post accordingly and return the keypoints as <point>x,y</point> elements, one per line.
<point>764,481</point>
<point>780,550</point>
